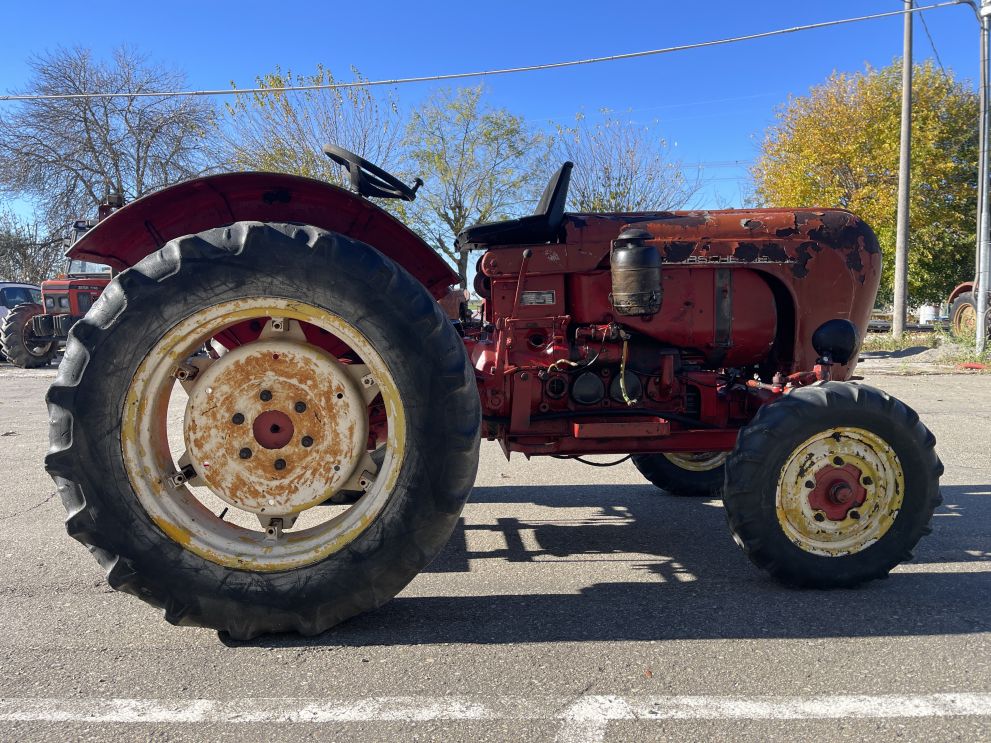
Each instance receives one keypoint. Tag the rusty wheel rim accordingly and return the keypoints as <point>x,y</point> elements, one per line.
<point>697,461</point>
<point>271,430</point>
<point>965,320</point>
<point>839,492</point>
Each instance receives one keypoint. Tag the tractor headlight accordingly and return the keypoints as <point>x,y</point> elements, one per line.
<point>50,303</point>
<point>63,302</point>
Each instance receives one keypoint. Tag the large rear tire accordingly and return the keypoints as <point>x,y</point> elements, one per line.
<point>294,438</point>
<point>832,485</point>
<point>698,474</point>
<point>18,342</point>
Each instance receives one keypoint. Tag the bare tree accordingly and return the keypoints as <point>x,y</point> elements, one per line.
<point>621,166</point>
<point>24,254</point>
<point>480,165</point>
<point>67,154</point>
<point>285,131</point>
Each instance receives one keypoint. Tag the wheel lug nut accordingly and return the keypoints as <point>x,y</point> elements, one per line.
<point>280,464</point>
<point>867,481</point>
<point>838,461</point>
<point>855,515</point>
<point>307,441</point>
<point>300,407</point>
<point>237,419</point>
<point>265,395</point>
<point>809,484</point>
<point>819,516</point>
<point>245,453</point>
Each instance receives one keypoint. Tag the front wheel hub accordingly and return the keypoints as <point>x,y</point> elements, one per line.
<point>276,426</point>
<point>839,491</point>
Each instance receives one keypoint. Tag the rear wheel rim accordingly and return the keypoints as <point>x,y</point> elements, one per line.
<point>257,483</point>
<point>697,461</point>
<point>965,319</point>
<point>839,492</point>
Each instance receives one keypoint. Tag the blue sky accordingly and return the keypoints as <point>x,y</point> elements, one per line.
<point>712,104</point>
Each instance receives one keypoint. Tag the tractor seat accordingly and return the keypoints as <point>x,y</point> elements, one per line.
<point>541,227</point>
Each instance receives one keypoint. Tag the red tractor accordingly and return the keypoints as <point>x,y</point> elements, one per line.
<point>310,465</point>
<point>963,310</point>
<point>32,333</point>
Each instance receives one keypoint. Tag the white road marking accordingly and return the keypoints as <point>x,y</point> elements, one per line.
<point>586,713</point>
<point>971,566</point>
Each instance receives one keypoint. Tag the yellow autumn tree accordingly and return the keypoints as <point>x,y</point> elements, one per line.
<point>838,147</point>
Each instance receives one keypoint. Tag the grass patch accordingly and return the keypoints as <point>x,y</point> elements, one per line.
<point>953,349</point>
<point>887,342</point>
<point>962,349</point>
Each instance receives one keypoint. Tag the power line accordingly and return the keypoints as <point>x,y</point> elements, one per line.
<point>482,73</point>
<point>922,17</point>
<point>703,164</point>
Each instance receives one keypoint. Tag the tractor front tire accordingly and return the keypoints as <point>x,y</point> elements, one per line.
<point>16,339</point>
<point>125,499</point>
<point>832,485</point>
<point>694,474</point>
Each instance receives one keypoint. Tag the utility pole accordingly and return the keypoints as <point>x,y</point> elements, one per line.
<point>904,182</point>
<point>984,223</point>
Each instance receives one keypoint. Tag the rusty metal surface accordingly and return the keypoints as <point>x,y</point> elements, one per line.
<point>622,429</point>
<point>246,436</point>
<point>150,461</point>
<point>743,290</point>
<point>145,225</point>
<point>850,456</point>
<point>966,286</point>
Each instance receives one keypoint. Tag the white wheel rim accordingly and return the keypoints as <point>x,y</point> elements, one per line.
<point>150,462</point>
<point>698,461</point>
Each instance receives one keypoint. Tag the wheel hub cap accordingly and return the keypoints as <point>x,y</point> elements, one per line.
<point>837,491</point>
<point>275,426</point>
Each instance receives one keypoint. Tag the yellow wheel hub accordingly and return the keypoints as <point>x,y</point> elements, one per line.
<point>839,492</point>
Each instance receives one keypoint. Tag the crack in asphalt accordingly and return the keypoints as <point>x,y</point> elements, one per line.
<point>36,506</point>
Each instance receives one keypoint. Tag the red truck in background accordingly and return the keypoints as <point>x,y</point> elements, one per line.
<point>32,332</point>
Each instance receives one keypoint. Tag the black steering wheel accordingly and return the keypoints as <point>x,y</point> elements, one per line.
<point>368,179</point>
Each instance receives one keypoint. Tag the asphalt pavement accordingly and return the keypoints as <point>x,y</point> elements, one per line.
<point>572,603</point>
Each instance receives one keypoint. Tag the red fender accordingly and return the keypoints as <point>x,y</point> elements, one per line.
<point>967,286</point>
<point>146,224</point>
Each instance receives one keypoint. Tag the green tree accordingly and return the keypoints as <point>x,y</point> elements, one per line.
<point>479,164</point>
<point>284,132</point>
<point>838,147</point>
<point>621,166</point>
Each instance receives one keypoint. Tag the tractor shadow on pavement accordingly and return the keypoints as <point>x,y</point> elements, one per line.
<point>699,584</point>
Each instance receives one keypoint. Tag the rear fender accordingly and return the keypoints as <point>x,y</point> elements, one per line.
<point>146,224</point>
<point>967,286</point>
